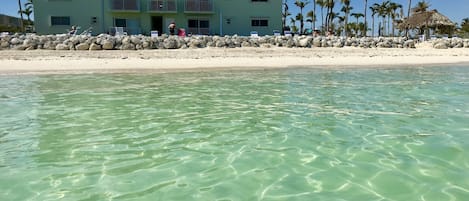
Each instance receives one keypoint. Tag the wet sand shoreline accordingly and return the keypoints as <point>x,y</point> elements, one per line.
<point>118,61</point>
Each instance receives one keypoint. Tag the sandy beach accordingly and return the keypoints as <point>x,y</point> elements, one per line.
<point>43,61</point>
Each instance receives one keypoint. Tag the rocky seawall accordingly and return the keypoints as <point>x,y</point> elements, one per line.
<point>140,42</point>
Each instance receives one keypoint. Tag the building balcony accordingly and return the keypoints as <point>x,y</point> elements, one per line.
<point>198,6</point>
<point>162,6</point>
<point>125,5</point>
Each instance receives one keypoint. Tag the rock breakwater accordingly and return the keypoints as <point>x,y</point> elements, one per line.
<point>141,42</point>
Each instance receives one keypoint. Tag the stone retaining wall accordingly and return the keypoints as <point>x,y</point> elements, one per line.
<point>139,42</point>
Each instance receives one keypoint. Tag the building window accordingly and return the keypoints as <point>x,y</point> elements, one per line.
<point>198,26</point>
<point>59,20</point>
<point>125,5</point>
<point>259,22</point>
<point>118,22</point>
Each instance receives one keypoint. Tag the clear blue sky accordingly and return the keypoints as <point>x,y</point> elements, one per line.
<point>10,7</point>
<point>456,10</point>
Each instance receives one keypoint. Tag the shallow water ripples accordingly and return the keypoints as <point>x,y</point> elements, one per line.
<point>296,134</point>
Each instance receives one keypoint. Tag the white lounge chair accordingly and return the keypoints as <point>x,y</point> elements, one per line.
<point>154,34</point>
<point>254,34</point>
<point>120,31</point>
<point>276,33</point>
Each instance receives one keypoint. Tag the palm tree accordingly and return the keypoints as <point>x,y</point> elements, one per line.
<point>394,6</point>
<point>357,16</point>
<point>409,8</point>
<point>313,26</point>
<point>20,11</point>
<point>374,10</point>
<point>28,11</point>
<point>465,22</point>
<point>330,4</point>
<point>421,6</point>
<point>322,4</point>
<point>333,16</point>
<point>301,4</point>
<point>346,9</point>
<point>299,17</point>
<point>357,25</point>
<point>388,10</point>
<point>285,14</point>
<point>311,18</point>
<point>365,23</point>
<point>294,28</point>
<point>465,25</point>
<point>383,12</point>
<point>342,26</point>
<point>408,15</point>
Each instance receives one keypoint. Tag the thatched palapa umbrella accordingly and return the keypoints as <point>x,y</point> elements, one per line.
<point>427,19</point>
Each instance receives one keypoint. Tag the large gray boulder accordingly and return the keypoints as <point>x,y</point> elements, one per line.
<point>20,47</point>
<point>440,45</point>
<point>220,43</point>
<point>127,46</point>
<point>16,41</point>
<point>82,46</point>
<point>49,45</point>
<point>4,45</point>
<point>339,44</point>
<point>195,43</point>
<point>409,44</point>
<point>95,46</point>
<point>171,43</point>
<point>317,42</point>
<point>107,45</point>
<point>305,42</point>
<point>135,40</point>
<point>466,43</point>
<point>62,46</point>
<point>246,44</point>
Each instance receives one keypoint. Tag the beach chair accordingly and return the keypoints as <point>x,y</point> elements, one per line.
<point>254,34</point>
<point>87,32</point>
<point>276,33</point>
<point>154,34</point>
<point>120,31</point>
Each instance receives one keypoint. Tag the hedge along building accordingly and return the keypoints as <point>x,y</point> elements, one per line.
<point>210,17</point>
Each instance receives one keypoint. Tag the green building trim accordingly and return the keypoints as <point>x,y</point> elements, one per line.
<point>208,17</point>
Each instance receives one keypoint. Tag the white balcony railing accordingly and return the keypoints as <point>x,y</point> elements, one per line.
<point>162,6</point>
<point>125,5</point>
<point>201,6</point>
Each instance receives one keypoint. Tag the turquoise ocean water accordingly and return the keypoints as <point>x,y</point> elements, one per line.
<point>290,134</point>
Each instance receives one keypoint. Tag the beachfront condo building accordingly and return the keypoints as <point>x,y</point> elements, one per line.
<point>206,17</point>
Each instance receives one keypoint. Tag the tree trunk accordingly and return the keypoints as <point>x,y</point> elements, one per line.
<point>408,15</point>
<point>346,24</point>
<point>21,14</point>
<point>313,26</point>
<point>322,18</point>
<point>393,27</point>
<point>389,26</point>
<point>302,23</point>
<point>366,24</point>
